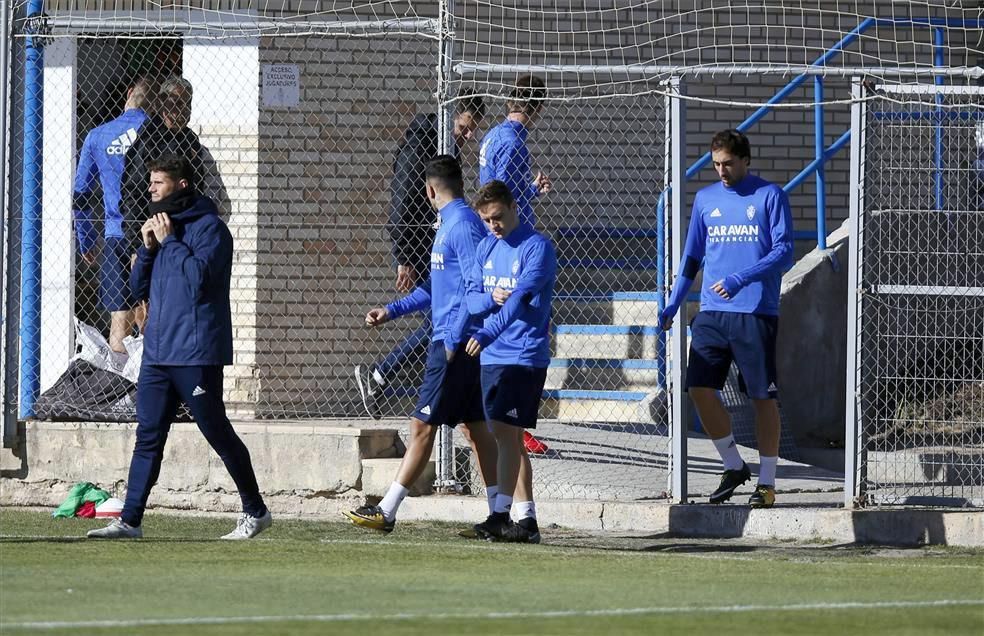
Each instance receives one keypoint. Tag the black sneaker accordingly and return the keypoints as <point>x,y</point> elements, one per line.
<point>524,531</point>
<point>492,528</point>
<point>370,517</point>
<point>370,386</point>
<point>730,480</point>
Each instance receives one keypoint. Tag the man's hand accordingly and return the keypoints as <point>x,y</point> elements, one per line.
<point>500,295</point>
<point>377,316</point>
<point>90,257</point>
<point>147,233</point>
<point>473,348</point>
<point>666,318</point>
<point>719,289</point>
<point>406,278</point>
<point>543,183</point>
<point>162,226</point>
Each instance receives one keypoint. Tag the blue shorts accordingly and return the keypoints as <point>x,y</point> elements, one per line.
<point>450,393</point>
<point>114,275</point>
<point>512,393</point>
<point>719,337</point>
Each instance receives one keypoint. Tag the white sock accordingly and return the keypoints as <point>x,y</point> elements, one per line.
<point>524,510</point>
<point>767,470</point>
<point>490,493</point>
<point>502,503</point>
<point>728,451</point>
<point>391,502</point>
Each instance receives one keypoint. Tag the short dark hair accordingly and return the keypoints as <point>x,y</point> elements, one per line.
<point>175,166</point>
<point>493,192</point>
<point>734,141</point>
<point>527,95</point>
<point>446,171</point>
<point>469,102</point>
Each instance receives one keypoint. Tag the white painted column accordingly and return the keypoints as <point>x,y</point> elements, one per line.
<point>57,243</point>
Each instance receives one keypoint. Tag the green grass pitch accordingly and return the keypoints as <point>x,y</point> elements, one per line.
<point>311,577</point>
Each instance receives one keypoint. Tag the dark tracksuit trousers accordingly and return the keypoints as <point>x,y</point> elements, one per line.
<point>160,391</point>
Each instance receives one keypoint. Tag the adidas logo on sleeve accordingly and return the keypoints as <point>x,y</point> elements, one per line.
<point>426,410</point>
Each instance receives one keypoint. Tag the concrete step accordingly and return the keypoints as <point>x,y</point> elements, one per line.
<point>606,341</point>
<point>602,374</point>
<point>613,407</point>
<point>378,474</point>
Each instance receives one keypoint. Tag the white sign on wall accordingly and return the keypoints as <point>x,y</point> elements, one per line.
<point>281,85</point>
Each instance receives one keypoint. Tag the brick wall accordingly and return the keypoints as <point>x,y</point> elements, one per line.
<point>323,252</point>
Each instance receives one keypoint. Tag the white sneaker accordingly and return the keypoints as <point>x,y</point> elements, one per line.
<point>116,530</point>
<point>370,383</point>
<point>248,527</point>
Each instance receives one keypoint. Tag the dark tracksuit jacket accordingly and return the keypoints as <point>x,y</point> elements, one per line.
<point>411,218</point>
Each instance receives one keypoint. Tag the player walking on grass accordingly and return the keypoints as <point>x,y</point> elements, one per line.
<point>184,268</point>
<point>511,288</point>
<point>451,389</point>
<point>742,229</point>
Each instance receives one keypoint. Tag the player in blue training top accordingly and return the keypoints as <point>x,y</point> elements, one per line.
<point>511,288</point>
<point>742,229</point>
<point>451,389</point>
<point>504,156</point>
<point>102,159</point>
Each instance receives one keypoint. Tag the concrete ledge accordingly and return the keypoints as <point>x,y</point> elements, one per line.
<point>902,526</point>
<point>297,459</point>
<point>378,474</point>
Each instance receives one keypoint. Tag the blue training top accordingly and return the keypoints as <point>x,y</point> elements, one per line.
<point>102,156</point>
<point>517,332</point>
<point>505,157</point>
<point>745,236</point>
<point>453,254</point>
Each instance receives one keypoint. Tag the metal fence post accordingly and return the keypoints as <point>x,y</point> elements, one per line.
<point>853,442</point>
<point>446,478</point>
<point>30,331</point>
<point>678,338</point>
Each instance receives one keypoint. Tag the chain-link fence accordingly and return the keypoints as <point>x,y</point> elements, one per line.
<point>293,137</point>
<point>603,414</point>
<point>920,324</point>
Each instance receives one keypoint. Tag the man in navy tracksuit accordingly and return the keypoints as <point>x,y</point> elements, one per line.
<point>742,230</point>
<point>184,268</point>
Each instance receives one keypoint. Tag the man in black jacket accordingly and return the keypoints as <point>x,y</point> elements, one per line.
<point>166,133</point>
<point>411,228</point>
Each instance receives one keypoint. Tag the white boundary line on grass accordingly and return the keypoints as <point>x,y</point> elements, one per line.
<point>630,611</point>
